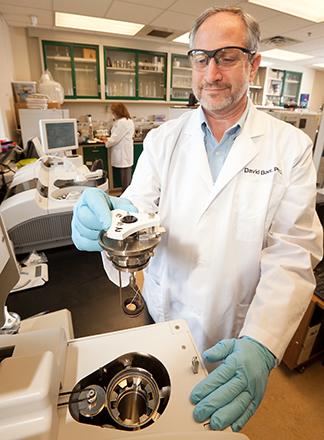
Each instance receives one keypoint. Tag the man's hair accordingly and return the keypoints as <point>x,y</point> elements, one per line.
<point>252,27</point>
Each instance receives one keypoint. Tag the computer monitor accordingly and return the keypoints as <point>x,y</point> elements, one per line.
<point>58,135</point>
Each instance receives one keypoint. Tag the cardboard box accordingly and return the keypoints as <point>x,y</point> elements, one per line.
<point>89,53</point>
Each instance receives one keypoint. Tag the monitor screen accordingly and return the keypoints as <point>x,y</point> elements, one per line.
<point>58,135</point>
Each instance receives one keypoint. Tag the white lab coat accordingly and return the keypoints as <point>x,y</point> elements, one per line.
<point>237,256</point>
<point>121,139</point>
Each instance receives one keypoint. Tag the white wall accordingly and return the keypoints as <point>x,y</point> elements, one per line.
<point>7,114</point>
<point>317,93</point>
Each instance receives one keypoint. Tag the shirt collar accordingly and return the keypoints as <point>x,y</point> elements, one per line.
<point>237,125</point>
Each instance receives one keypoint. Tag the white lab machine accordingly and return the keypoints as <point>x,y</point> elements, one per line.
<point>37,209</point>
<point>129,384</point>
<point>306,120</point>
<point>29,121</point>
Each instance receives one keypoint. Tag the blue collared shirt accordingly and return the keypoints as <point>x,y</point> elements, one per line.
<point>217,152</point>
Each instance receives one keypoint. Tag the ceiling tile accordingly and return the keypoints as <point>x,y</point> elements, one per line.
<point>163,4</point>
<point>281,23</point>
<point>121,10</point>
<point>95,8</point>
<point>174,20</point>
<point>194,7</point>
<point>258,12</point>
<point>307,33</point>
<point>41,4</point>
<point>16,13</point>
<point>45,19</point>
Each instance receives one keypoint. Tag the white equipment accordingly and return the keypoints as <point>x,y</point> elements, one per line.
<point>128,384</point>
<point>58,135</point>
<point>306,120</point>
<point>29,121</point>
<point>37,209</point>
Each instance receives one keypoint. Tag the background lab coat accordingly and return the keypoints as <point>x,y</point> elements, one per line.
<point>121,139</point>
<point>237,255</point>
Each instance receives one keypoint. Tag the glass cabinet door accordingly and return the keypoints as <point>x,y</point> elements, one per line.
<point>151,75</point>
<point>58,60</point>
<point>181,78</point>
<point>86,71</point>
<point>120,73</point>
<point>75,67</point>
<point>274,87</point>
<point>291,88</point>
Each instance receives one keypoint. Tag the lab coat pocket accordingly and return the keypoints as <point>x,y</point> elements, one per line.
<point>241,311</point>
<point>251,208</point>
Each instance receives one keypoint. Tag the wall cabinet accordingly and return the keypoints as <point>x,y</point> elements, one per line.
<point>282,87</point>
<point>256,90</point>
<point>133,74</point>
<point>180,78</point>
<point>75,67</point>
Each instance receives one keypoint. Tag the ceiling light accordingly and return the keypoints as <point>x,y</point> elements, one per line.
<point>312,10</point>
<point>285,55</point>
<point>184,38</point>
<point>96,24</point>
<point>319,65</point>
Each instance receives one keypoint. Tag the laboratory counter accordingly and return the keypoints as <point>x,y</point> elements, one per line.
<point>77,282</point>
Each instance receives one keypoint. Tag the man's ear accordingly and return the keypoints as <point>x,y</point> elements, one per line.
<point>254,67</point>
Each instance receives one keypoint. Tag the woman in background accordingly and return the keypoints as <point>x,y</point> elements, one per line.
<point>121,142</point>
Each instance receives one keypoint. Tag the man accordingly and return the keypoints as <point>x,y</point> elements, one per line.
<point>235,190</point>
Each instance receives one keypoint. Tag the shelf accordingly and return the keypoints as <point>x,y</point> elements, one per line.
<point>68,59</point>
<point>292,81</point>
<point>276,79</point>
<point>62,69</point>
<point>181,87</point>
<point>121,70</point>
<point>188,69</point>
<point>146,72</point>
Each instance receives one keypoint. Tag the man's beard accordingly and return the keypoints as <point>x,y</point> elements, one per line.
<point>221,103</point>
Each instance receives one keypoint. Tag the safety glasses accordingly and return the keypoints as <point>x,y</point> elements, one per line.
<point>226,57</point>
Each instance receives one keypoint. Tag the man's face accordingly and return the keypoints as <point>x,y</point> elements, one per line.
<point>220,90</point>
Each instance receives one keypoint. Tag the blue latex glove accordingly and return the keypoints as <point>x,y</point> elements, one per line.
<point>231,393</point>
<point>92,214</point>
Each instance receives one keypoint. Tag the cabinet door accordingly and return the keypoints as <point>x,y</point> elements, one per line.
<point>274,87</point>
<point>58,60</point>
<point>120,73</point>
<point>138,148</point>
<point>92,153</point>
<point>180,78</point>
<point>151,75</point>
<point>256,89</point>
<point>291,87</point>
<point>86,71</point>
